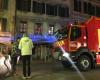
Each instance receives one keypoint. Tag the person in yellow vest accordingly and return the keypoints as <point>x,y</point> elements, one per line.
<point>26,46</point>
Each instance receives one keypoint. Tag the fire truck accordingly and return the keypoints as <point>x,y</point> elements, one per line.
<point>81,41</point>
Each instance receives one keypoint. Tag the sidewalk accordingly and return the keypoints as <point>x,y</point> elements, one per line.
<point>38,67</point>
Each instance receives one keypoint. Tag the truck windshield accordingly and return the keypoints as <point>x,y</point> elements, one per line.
<point>75,33</point>
<point>61,33</point>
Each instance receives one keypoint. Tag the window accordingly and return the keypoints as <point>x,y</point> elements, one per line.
<point>97,11</point>
<point>55,9</point>
<point>23,5</point>
<point>85,7</point>
<point>63,11</point>
<point>77,5</point>
<point>91,9</point>
<point>75,33</point>
<point>37,7</point>
<point>64,32</point>
<point>38,28</point>
<point>67,12</point>
<point>61,33</point>
<point>43,8</point>
<point>3,24</point>
<point>51,29</point>
<point>34,6</point>
<point>23,27</point>
<point>51,9</point>
<point>3,4</point>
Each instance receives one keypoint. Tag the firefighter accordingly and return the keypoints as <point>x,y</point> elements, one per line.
<point>15,53</point>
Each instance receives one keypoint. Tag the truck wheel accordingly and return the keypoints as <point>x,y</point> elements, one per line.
<point>84,63</point>
<point>66,64</point>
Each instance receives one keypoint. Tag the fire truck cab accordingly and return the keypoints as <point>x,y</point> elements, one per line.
<point>81,41</point>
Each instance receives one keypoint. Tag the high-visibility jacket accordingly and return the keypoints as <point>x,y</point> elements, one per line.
<point>25,45</point>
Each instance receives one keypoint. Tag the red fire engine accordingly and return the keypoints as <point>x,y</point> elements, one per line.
<point>82,42</point>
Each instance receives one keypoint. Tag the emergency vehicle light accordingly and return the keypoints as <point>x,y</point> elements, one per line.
<point>38,38</point>
<point>60,43</point>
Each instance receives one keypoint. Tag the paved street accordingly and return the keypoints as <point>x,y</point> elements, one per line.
<point>55,71</point>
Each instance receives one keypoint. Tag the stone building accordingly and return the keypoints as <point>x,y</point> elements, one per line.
<point>44,16</point>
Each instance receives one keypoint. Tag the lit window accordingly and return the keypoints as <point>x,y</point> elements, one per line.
<point>23,26</point>
<point>51,29</point>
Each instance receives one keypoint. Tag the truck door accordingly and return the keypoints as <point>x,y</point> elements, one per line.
<point>74,38</point>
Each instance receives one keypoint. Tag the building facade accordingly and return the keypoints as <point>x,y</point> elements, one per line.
<point>44,16</point>
<point>32,16</point>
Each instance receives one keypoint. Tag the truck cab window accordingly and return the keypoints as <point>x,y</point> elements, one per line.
<point>64,32</point>
<point>61,33</point>
<point>75,33</point>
